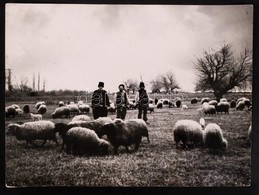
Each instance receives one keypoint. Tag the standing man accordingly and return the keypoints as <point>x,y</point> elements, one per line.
<point>142,101</point>
<point>100,102</point>
<point>121,102</point>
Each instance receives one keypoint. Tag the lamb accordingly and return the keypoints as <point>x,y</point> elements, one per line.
<point>18,112</point>
<point>42,109</point>
<point>82,141</point>
<point>60,112</point>
<point>73,109</point>
<point>125,133</point>
<point>184,107</point>
<point>9,111</point>
<point>81,117</point>
<point>194,101</point>
<point>208,109</point>
<point>36,117</point>
<point>223,107</point>
<point>30,131</point>
<point>240,105</point>
<point>83,108</point>
<point>188,131</point>
<point>213,138</point>
<point>206,99</point>
<point>38,104</point>
<point>151,107</point>
<point>61,103</point>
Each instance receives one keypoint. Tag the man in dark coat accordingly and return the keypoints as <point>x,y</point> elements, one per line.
<point>121,102</point>
<point>142,101</point>
<point>100,102</point>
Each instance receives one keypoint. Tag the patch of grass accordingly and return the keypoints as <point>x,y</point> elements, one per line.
<point>156,164</point>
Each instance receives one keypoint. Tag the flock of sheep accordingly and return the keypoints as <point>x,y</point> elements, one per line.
<point>85,136</point>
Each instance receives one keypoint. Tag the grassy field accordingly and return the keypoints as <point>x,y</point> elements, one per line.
<point>156,164</point>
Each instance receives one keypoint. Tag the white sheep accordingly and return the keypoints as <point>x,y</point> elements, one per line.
<point>82,141</point>
<point>240,105</point>
<point>188,131</point>
<point>60,112</point>
<point>213,138</point>
<point>84,108</point>
<point>151,107</point>
<point>223,107</point>
<point>42,109</point>
<point>37,105</point>
<point>36,117</point>
<point>184,107</point>
<point>223,100</point>
<point>30,131</point>
<point>208,109</point>
<point>73,108</point>
<point>214,103</point>
<point>206,99</point>
<point>81,117</point>
<point>18,111</point>
<point>125,133</point>
<point>61,103</point>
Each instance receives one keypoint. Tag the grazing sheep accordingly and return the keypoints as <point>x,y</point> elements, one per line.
<point>194,101</point>
<point>208,109</point>
<point>223,107</point>
<point>233,104</point>
<point>18,111</point>
<point>38,104</point>
<point>81,117</point>
<point>159,105</point>
<point>240,99</point>
<point>223,100</point>
<point>184,107</point>
<point>30,131</point>
<point>247,103</point>
<point>205,100</point>
<point>15,106</point>
<point>73,108</point>
<point>9,111</point>
<point>83,108</point>
<point>151,107</point>
<point>240,105</point>
<point>82,141</point>
<point>178,103</point>
<point>188,131</point>
<point>60,112</point>
<point>213,138</point>
<point>61,103</point>
<point>42,109</point>
<point>26,109</point>
<point>125,133</point>
<point>214,103</point>
<point>36,117</point>
<point>165,101</point>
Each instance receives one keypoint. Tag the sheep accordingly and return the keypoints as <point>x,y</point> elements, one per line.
<point>81,117</point>
<point>165,101</point>
<point>214,103</point>
<point>18,112</point>
<point>15,106</point>
<point>26,109</point>
<point>171,105</point>
<point>83,108</point>
<point>194,101</point>
<point>159,105</point>
<point>247,102</point>
<point>240,105</point>
<point>233,104</point>
<point>9,111</point>
<point>223,100</point>
<point>42,109</point>
<point>151,107</point>
<point>213,138</point>
<point>61,103</point>
<point>178,103</point>
<point>60,112</point>
<point>208,109</point>
<point>184,107</point>
<point>36,130</point>
<point>205,100</point>
<point>241,99</point>
<point>223,107</point>
<point>36,117</point>
<point>125,133</point>
<point>82,141</point>
<point>73,108</point>
<point>38,104</point>
<point>151,101</point>
<point>188,131</point>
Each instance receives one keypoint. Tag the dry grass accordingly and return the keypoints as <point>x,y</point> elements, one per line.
<point>156,164</point>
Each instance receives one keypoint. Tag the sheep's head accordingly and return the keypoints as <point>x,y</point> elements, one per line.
<point>62,128</point>
<point>12,129</point>
<point>108,129</point>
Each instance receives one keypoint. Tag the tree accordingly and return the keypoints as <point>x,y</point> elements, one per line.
<point>156,85</point>
<point>168,82</point>
<point>220,71</point>
<point>131,85</point>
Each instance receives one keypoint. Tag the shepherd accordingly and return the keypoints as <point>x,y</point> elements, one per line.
<point>121,102</point>
<point>142,101</point>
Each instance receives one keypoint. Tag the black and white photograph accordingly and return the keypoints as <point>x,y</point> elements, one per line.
<point>127,95</point>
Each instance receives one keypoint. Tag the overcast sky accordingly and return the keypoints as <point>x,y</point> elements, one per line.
<point>76,46</point>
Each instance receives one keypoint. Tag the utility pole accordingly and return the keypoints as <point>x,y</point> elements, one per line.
<point>38,81</point>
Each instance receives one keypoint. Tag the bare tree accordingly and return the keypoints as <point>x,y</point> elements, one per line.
<point>24,84</point>
<point>131,85</point>
<point>156,85</point>
<point>220,71</point>
<point>168,82</point>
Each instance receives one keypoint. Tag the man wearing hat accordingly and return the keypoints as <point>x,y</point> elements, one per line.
<point>142,101</point>
<point>121,102</point>
<point>100,102</point>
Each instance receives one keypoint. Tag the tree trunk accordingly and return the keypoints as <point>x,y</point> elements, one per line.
<point>218,95</point>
